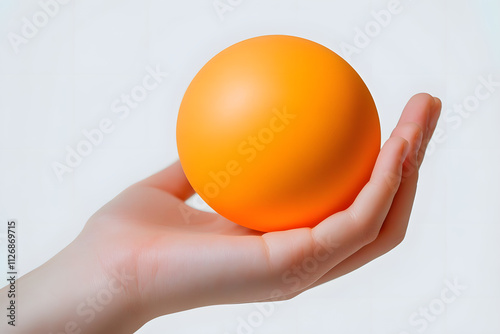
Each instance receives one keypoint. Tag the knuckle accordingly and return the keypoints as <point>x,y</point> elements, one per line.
<point>398,238</point>
<point>392,181</point>
<point>365,229</point>
<point>368,233</point>
<point>394,238</point>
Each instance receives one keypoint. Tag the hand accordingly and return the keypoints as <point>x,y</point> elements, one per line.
<point>174,257</point>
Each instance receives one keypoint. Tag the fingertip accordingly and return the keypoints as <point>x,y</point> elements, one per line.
<point>438,106</point>
<point>435,113</point>
<point>418,110</point>
<point>424,96</point>
<point>437,102</point>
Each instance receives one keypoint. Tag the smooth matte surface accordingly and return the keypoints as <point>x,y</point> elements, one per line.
<point>277,132</point>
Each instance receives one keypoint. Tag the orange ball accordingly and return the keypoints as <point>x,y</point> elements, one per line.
<point>277,132</point>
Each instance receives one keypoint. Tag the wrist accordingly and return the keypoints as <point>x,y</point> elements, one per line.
<point>72,293</point>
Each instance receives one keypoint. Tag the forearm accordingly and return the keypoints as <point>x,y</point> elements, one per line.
<point>71,294</point>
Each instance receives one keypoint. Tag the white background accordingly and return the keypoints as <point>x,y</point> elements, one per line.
<point>64,80</point>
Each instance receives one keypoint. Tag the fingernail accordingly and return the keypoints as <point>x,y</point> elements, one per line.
<point>411,164</point>
<point>406,150</point>
<point>437,101</point>
<point>435,113</point>
<point>418,143</point>
<point>429,115</point>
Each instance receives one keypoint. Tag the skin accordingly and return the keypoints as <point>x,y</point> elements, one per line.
<point>146,253</point>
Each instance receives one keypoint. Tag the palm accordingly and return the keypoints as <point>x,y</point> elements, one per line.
<point>147,224</point>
